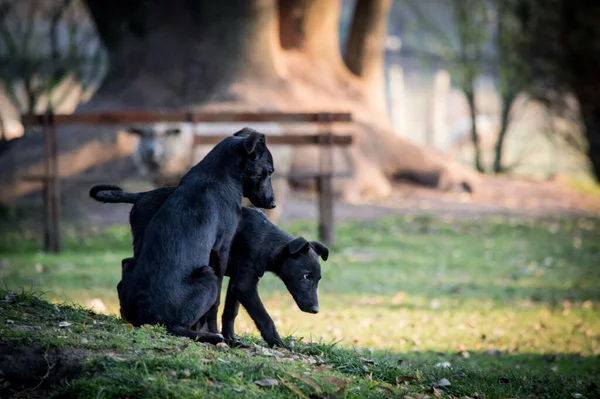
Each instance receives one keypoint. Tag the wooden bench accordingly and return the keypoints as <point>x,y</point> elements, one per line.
<point>326,140</point>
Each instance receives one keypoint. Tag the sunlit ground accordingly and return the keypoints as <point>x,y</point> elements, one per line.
<point>424,289</point>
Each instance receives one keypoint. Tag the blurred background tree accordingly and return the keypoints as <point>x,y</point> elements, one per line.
<point>562,45</point>
<point>47,54</point>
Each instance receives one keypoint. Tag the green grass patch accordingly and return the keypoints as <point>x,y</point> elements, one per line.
<point>498,307</point>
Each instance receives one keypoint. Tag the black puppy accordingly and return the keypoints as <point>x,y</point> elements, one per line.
<point>261,246</point>
<point>258,246</point>
<point>172,282</point>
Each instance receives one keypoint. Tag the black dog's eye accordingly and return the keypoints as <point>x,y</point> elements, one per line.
<point>308,276</point>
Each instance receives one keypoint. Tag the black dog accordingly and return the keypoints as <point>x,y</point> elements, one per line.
<point>261,246</point>
<point>172,282</point>
<point>258,246</point>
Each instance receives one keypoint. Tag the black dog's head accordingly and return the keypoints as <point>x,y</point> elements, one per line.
<point>258,168</point>
<point>301,271</point>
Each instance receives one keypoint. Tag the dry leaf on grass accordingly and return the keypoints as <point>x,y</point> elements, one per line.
<point>64,324</point>
<point>443,383</point>
<point>267,382</point>
<point>338,382</point>
<point>404,378</point>
<point>294,389</point>
<point>306,380</point>
<point>368,361</point>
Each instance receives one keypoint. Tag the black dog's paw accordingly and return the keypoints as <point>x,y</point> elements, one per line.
<point>277,343</point>
<point>234,343</point>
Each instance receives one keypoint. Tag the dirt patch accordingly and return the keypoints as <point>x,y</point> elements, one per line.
<point>27,371</point>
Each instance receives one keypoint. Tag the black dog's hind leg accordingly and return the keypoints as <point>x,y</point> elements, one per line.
<point>218,261</point>
<point>230,312</point>
<point>203,291</point>
<point>127,308</point>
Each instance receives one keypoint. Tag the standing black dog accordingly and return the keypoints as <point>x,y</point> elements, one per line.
<point>258,246</point>
<point>183,256</point>
<point>261,246</point>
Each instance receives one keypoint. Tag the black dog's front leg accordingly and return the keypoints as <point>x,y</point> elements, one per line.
<point>230,311</point>
<point>247,294</point>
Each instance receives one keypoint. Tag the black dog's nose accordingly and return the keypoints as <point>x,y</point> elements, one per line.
<point>273,204</point>
<point>314,309</point>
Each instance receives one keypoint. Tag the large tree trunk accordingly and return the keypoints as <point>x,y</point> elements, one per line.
<point>176,54</point>
<point>311,26</point>
<point>365,48</point>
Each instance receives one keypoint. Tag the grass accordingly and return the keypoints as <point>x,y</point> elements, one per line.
<point>499,307</point>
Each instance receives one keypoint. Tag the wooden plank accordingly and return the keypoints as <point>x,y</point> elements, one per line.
<point>132,117</point>
<point>285,139</point>
<point>103,178</point>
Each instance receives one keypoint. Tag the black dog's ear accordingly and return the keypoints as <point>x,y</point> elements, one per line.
<point>251,140</point>
<point>172,132</point>
<point>320,249</point>
<point>297,245</point>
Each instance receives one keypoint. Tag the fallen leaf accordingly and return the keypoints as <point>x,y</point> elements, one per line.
<point>444,365</point>
<point>184,346</point>
<point>306,380</point>
<point>115,357</point>
<point>387,390</point>
<point>404,378</point>
<point>129,326</point>
<point>338,382</point>
<point>222,345</point>
<point>210,382</point>
<point>577,395</point>
<point>443,383</point>
<point>186,372</point>
<point>294,389</point>
<point>9,321</point>
<point>64,324</point>
<point>171,373</point>
<point>435,392</point>
<point>267,382</point>
<point>368,361</point>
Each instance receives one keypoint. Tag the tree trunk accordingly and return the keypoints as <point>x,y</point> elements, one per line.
<point>176,54</point>
<point>365,50</point>
<point>507,102</point>
<point>470,94</point>
<point>311,26</point>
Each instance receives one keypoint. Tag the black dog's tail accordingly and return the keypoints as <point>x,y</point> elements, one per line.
<point>112,194</point>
